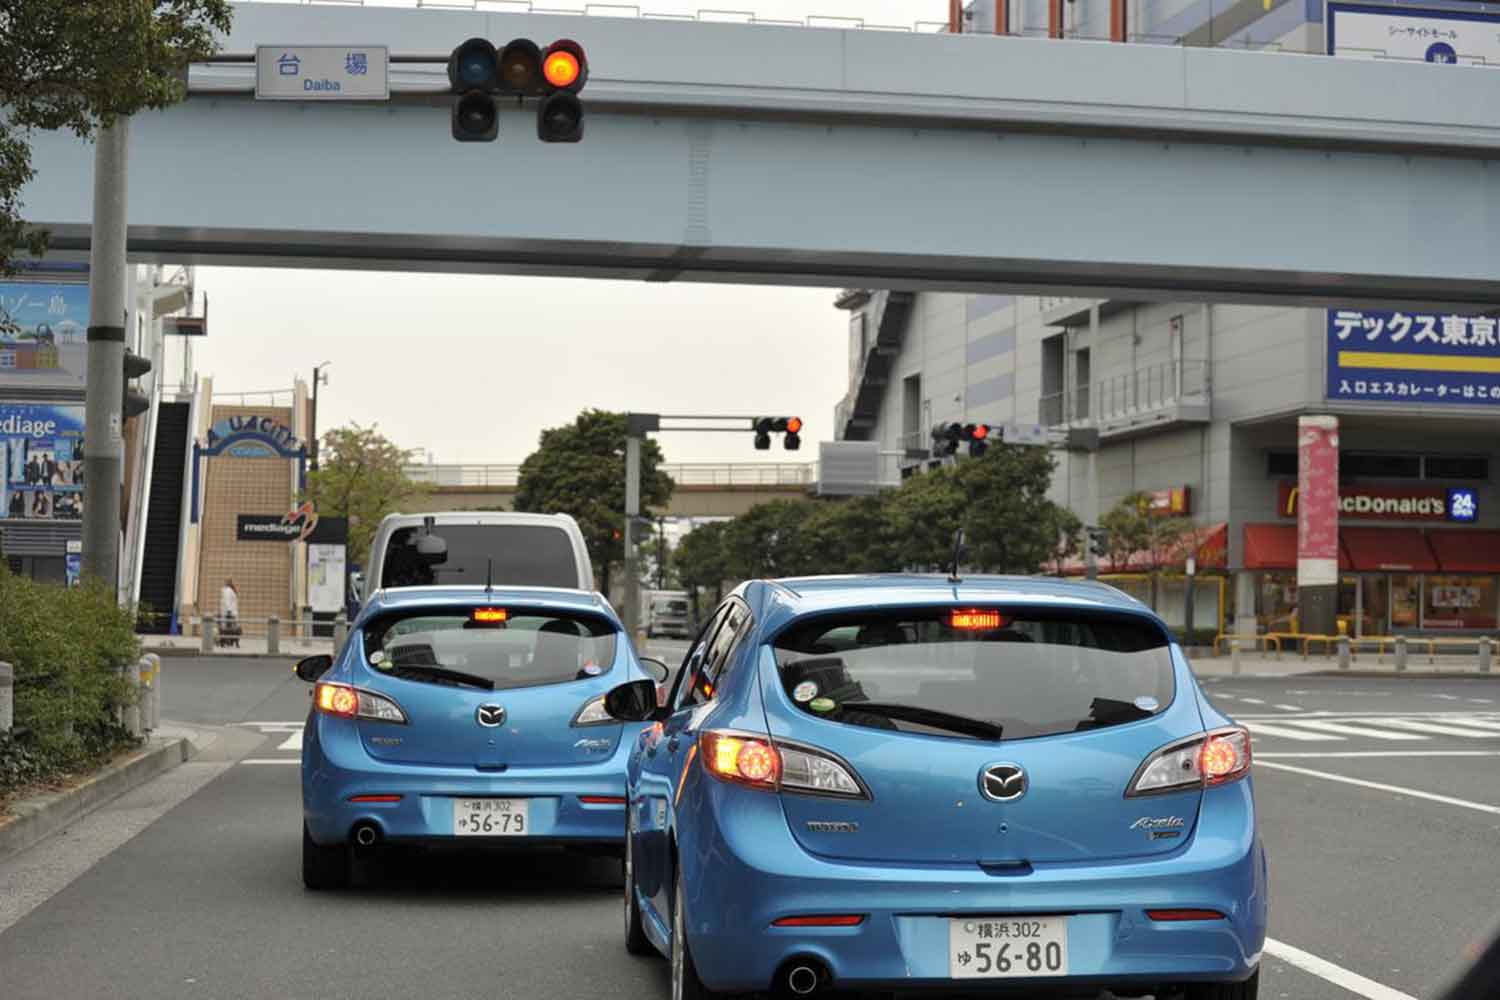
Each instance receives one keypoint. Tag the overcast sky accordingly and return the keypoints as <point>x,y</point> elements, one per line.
<point>472,368</point>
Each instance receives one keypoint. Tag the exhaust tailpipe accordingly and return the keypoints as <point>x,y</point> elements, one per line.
<point>365,835</point>
<point>802,980</point>
<point>803,976</point>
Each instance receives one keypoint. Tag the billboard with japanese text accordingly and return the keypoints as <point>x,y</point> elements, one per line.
<point>1413,357</point>
<point>41,462</point>
<point>1445,37</point>
<point>44,341</point>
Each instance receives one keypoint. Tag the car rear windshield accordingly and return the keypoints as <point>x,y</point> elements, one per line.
<point>528,555</point>
<point>977,673</point>
<point>514,649</point>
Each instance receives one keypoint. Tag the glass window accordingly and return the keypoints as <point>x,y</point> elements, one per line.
<point>1406,601</point>
<point>527,555</point>
<point>717,655</point>
<point>981,674</point>
<point>1277,601</point>
<point>1458,467</point>
<point>1459,602</point>
<point>526,649</point>
<point>1281,463</point>
<point>1376,465</point>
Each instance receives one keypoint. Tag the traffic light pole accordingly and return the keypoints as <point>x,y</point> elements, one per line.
<point>104,387</point>
<point>632,511</point>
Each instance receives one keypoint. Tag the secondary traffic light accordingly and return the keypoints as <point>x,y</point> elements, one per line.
<point>978,436</point>
<point>134,401</point>
<point>1098,541</point>
<point>764,427</point>
<point>479,74</point>
<point>793,439</point>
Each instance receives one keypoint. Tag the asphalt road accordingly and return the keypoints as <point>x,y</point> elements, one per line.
<point>190,886</point>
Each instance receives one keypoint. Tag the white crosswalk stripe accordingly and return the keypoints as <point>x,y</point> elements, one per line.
<point>1362,729</point>
<point>1287,732</point>
<point>1444,728</point>
<point>1410,728</point>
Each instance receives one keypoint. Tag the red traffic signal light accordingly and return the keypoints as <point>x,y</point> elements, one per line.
<point>564,66</point>
<point>794,425</point>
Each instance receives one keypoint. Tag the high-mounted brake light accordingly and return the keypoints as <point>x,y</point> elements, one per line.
<point>489,616</point>
<point>348,702</point>
<point>976,620</point>
<point>757,762</point>
<point>1214,758</point>
<point>821,920</point>
<point>374,798</point>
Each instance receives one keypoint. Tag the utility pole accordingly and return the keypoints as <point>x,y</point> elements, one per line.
<point>632,511</point>
<point>661,553</point>
<point>312,453</point>
<point>104,387</point>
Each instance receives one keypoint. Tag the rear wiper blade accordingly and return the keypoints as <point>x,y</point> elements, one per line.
<point>444,674</point>
<point>928,717</point>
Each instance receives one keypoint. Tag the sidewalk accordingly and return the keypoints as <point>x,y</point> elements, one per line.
<point>1364,665</point>
<point>192,645</point>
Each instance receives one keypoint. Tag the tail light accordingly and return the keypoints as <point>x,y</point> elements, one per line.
<point>758,762</point>
<point>1214,758</point>
<point>347,702</point>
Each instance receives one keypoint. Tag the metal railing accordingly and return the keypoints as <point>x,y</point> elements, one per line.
<point>1151,388</point>
<point>682,473</point>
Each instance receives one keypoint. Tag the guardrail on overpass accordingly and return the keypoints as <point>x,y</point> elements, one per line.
<point>726,474</point>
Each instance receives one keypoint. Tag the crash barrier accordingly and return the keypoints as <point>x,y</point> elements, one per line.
<point>275,630</point>
<point>1347,647</point>
<point>140,715</point>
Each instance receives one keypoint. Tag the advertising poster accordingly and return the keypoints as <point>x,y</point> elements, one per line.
<point>325,578</point>
<point>44,343</point>
<point>41,455</point>
<point>1443,37</point>
<point>1318,501</point>
<point>1420,358</point>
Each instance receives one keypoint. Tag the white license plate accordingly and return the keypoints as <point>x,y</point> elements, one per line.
<point>491,817</point>
<point>1007,947</point>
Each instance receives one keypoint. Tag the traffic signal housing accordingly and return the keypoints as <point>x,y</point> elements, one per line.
<point>134,402</point>
<point>946,438</point>
<point>1098,541</point>
<point>764,427</point>
<point>479,74</point>
<point>978,436</point>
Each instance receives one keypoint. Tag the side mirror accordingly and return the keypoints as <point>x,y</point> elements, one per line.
<point>313,667</point>
<point>633,702</point>
<point>658,670</point>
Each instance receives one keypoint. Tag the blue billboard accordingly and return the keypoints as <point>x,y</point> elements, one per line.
<point>1413,357</point>
<point>44,333</point>
<point>41,462</point>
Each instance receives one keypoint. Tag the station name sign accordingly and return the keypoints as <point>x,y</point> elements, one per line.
<point>322,73</point>
<point>1392,503</point>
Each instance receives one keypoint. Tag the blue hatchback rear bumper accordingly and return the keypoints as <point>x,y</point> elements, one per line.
<point>759,873</point>
<point>336,769</point>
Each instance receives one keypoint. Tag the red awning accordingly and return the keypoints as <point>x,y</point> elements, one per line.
<point>1393,550</point>
<point>1466,551</point>
<point>1274,546</point>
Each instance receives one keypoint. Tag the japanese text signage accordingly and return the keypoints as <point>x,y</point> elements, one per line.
<point>1318,506</point>
<point>1413,357</point>
<point>1443,37</point>
<point>322,73</point>
<point>41,463</point>
<point>1392,503</point>
<point>47,347</point>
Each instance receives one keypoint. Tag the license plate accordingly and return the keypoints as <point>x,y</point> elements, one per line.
<point>1007,947</point>
<point>491,817</point>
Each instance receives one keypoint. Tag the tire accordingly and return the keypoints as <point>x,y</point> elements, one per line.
<point>324,868</point>
<point>636,942</point>
<point>1248,990</point>
<point>685,982</point>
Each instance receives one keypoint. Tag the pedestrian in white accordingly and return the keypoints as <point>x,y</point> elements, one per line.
<point>229,601</point>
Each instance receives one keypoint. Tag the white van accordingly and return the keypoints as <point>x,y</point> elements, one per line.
<point>462,548</point>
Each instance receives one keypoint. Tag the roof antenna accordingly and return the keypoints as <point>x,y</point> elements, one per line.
<point>958,550</point>
<point>489,564</point>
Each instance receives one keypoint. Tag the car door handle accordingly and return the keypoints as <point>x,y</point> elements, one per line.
<point>673,743</point>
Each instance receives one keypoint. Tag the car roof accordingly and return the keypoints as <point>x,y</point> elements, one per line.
<point>544,598</point>
<point>793,597</point>
<point>402,520</point>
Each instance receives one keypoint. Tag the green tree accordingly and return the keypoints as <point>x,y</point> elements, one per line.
<point>1133,528</point>
<point>80,64</point>
<point>361,475</point>
<point>703,562</point>
<point>849,536</point>
<point>767,541</point>
<point>579,469</point>
<point>1010,526</point>
<point>1067,528</point>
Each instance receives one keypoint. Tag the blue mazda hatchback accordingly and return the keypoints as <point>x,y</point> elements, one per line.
<point>901,783</point>
<point>467,716</point>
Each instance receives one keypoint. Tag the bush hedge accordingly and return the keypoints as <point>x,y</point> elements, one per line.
<point>67,647</point>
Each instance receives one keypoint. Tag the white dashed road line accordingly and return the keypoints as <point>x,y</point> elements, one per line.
<point>1290,708</point>
<point>272,760</point>
<point>1378,786</point>
<point>1252,701</point>
<point>1336,974</point>
<point>1326,754</point>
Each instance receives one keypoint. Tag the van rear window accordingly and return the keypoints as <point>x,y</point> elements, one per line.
<point>979,673</point>
<point>518,648</point>
<point>523,555</point>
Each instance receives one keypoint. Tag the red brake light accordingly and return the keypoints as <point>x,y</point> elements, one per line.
<point>743,759</point>
<point>1170,916</point>
<point>975,620</point>
<point>602,800</point>
<point>489,616</point>
<point>1218,758</point>
<point>821,920</point>
<point>338,699</point>
<point>374,798</point>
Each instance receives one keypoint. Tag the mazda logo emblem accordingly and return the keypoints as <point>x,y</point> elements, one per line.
<point>1003,782</point>
<point>490,716</point>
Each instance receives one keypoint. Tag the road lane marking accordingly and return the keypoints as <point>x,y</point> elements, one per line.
<point>1287,733</point>
<point>1252,701</point>
<point>1447,697</point>
<point>1335,974</point>
<point>1480,701</point>
<point>1361,731</point>
<point>1324,754</point>
<point>1382,787</point>
<point>272,760</point>
<point>1290,708</point>
<point>1442,729</point>
<point>292,742</point>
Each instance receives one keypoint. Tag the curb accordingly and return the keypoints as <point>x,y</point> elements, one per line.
<point>1419,675</point>
<point>172,652</point>
<point>35,818</point>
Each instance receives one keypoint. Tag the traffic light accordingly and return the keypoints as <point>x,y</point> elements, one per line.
<point>978,436</point>
<point>945,439</point>
<point>479,74</point>
<point>793,439</point>
<point>1098,541</point>
<point>764,427</point>
<point>134,401</point>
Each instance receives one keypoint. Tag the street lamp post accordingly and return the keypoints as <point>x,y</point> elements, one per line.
<point>318,376</point>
